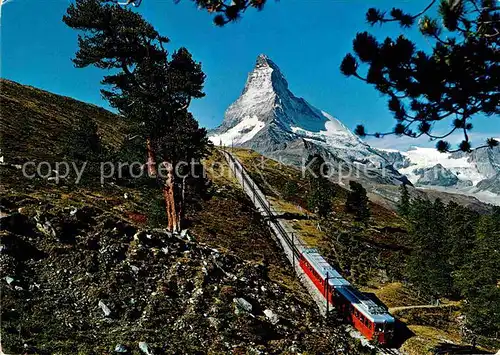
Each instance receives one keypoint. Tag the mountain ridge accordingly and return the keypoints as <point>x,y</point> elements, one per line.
<point>268,118</point>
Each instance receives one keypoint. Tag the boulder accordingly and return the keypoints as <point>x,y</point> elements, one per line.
<point>243,304</point>
<point>271,316</point>
<point>105,309</point>
<point>145,348</point>
<point>121,349</point>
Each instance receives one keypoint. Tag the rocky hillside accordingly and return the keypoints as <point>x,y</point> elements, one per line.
<point>78,280</point>
<point>83,270</point>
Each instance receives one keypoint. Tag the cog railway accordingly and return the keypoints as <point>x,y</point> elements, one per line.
<point>370,319</point>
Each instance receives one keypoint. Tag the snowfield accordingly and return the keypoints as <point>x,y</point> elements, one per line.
<point>241,133</point>
<point>423,158</point>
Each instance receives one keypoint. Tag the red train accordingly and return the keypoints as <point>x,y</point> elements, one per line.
<point>372,320</point>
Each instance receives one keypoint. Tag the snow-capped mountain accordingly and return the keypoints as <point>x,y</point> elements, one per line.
<point>270,119</point>
<point>268,115</point>
<point>469,173</point>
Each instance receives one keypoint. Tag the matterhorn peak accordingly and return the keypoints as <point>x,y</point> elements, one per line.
<point>267,76</point>
<point>270,119</point>
<point>264,61</point>
<point>268,115</point>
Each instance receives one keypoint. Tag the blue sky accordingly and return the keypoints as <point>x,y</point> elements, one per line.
<point>306,38</point>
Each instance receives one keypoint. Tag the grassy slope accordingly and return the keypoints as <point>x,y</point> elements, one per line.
<point>35,122</point>
<point>384,238</point>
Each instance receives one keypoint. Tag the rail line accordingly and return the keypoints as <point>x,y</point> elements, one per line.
<point>264,204</point>
<point>295,244</point>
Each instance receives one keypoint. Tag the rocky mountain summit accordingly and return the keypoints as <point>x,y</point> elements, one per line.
<point>270,119</point>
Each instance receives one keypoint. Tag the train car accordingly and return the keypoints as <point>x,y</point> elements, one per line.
<point>370,319</point>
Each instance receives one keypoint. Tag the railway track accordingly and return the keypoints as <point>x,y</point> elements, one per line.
<point>387,351</point>
<point>259,198</point>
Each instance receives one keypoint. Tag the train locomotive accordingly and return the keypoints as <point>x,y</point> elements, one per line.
<point>369,318</point>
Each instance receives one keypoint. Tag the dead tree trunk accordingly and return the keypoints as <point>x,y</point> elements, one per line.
<point>151,159</point>
<point>172,211</point>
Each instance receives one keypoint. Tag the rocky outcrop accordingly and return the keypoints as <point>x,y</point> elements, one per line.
<point>490,185</point>
<point>436,176</point>
<point>486,160</point>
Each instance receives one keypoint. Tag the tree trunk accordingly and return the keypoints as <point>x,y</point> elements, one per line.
<point>151,159</point>
<point>170,200</point>
<point>181,202</point>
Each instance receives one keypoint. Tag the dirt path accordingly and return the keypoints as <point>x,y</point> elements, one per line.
<point>443,305</point>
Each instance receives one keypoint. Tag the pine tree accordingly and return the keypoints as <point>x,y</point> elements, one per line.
<point>427,266</point>
<point>462,224</point>
<point>479,282</point>
<point>424,88</point>
<point>83,141</point>
<point>150,90</point>
<point>404,203</point>
<point>290,190</point>
<point>357,202</point>
<point>321,193</point>
<point>319,200</point>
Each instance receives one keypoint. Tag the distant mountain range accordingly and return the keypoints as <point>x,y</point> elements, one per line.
<point>270,119</point>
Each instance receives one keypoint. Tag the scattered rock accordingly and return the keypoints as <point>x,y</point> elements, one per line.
<point>271,316</point>
<point>104,308</point>
<point>4,215</point>
<point>47,229</point>
<point>145,348</point>
<point>119,348</point>
<point>243,305</point>
<point>9,279</point>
